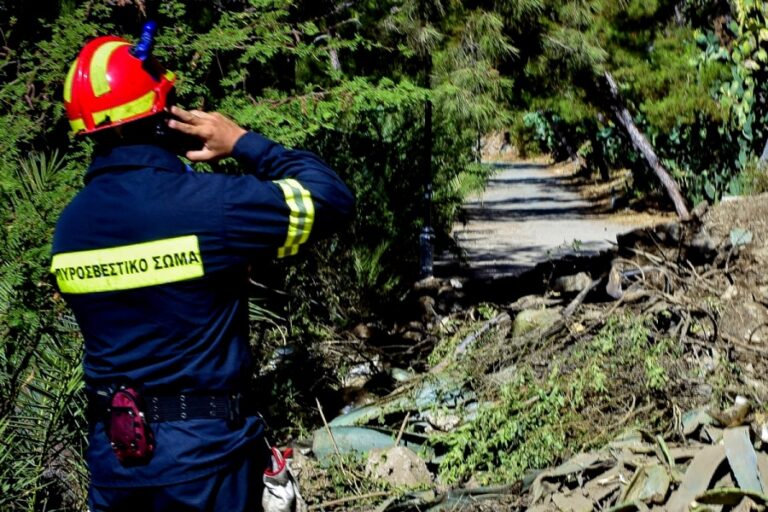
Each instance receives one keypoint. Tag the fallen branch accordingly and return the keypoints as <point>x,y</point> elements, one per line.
<point>640,141</point>
<point>402,428</point>
<point>341,501</point>
<point>469,340</point>
<point>575,303</point>
<point>333,442</point>
<point>738,344</point>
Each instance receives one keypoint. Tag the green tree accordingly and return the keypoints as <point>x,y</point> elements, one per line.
<point>332,76</point>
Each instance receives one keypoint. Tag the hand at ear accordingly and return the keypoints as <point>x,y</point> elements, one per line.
<point>218,133</point>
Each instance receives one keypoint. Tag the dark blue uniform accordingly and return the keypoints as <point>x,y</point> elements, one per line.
<point>153,260</point>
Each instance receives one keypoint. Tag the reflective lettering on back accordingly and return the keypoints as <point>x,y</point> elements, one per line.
<point>127,267</point>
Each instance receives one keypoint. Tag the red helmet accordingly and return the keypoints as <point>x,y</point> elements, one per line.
<point>110,84</point>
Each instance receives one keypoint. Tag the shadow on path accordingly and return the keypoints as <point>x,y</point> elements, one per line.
<point>526,215</point>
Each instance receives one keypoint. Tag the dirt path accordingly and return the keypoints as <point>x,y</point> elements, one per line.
<point>528,215</point>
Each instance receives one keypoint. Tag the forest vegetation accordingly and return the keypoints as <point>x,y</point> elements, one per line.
<point>395,95</point>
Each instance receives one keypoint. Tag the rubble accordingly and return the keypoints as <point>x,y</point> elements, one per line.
<point>640,476</point>
<point>656,348</point>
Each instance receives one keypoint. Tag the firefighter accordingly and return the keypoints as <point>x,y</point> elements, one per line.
<point>154,261</point>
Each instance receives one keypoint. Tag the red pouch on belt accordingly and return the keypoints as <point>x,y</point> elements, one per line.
<point>127,428</point>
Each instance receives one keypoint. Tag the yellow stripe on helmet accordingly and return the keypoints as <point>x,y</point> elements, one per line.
<point>68,82</point>
<point>125,111</point>
<point>77,125</point>
<point>128,267</point>
<point>99,63</point>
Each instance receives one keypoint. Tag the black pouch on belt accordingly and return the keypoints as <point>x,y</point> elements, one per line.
<point>127,427</point>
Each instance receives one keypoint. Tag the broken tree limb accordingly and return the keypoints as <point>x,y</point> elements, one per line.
<point>340,459</point>
<point>641,143</point>
<point>575,303</point>
<point>469,340</point>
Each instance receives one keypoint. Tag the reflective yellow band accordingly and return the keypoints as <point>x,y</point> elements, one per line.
<point>129,266</point>
<point>126,110</point>
<point>99,63</point>
<point>68,82</point>
<point>301,217</point>
<point>77,125</point>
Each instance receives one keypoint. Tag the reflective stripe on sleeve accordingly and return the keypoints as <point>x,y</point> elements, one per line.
<point>301,218</point>
<point>129,266</point>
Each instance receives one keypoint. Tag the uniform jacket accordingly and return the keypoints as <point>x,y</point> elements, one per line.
<point>153,260</point>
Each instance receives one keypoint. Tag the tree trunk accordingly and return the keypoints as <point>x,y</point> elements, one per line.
<point>644,147</point>
<point>335,62</point>
<point>426,247</point>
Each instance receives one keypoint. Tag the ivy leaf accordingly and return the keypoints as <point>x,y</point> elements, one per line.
<point>709,188</point>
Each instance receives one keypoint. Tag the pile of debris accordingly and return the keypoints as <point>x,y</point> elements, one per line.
<point>619,344</point>
<point>712,468</point>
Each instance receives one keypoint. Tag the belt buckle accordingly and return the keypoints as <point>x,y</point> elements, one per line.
<point>234,414</point>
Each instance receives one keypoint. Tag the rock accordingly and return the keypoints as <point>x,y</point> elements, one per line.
<point>359,374</point>
<point>730,293</point>
<point>364,331</point>
<point>539,302</point>
<point>429,283</point>
<point>761,419</point>
<point>398,466</point>
<point>613,287</point>
<point>740,236</point>
<point>531,319</point>
<point>401,375</point>
<point>412,336</point>
<point>441,420</point>
<point>427,309</point>
<point>735,415</point>
<point>572,284</point>
<point>578,327</point>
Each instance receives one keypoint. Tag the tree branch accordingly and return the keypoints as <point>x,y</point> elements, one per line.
<point>644,147</point>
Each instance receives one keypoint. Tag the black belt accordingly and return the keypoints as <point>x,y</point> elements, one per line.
<point>234,407</point>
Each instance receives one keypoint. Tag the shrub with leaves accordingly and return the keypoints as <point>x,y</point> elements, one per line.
<point>345,79</point>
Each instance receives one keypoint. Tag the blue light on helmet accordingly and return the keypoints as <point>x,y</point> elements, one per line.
<point>143,48</point>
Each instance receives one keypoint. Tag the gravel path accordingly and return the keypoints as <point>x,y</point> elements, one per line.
<point>525,216</point>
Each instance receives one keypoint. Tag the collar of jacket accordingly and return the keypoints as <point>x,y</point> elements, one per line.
<point>135,156</point>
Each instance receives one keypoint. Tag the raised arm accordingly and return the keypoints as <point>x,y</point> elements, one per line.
<point>294,198</point>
